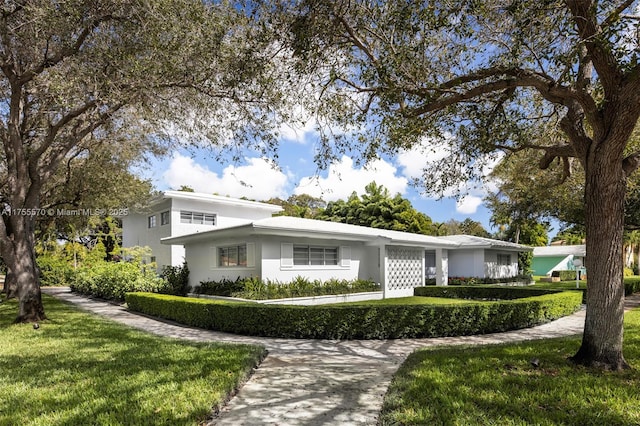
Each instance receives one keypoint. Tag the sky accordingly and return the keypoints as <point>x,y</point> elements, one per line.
<point>257,179</point>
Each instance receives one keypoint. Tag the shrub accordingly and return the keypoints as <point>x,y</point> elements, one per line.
<point>112,280</point>
<point>628,272</point>
<point>631,285</point>
<point>360,321</point>
<point>54,271</point>
<point>523,279</point>
<point>176,280</point>
<point>254,288</point>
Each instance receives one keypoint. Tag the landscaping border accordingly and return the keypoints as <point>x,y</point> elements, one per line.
<point>359,321</point>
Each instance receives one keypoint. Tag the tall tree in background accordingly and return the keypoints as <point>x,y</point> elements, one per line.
<point>485,76</point>
<point>80,72</point>
<point>377,209</point>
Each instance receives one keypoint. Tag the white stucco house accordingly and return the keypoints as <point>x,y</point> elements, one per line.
<point>175,213</point>
<point>282,248</point>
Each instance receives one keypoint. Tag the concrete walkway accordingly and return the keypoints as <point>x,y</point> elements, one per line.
<point>317,382</point>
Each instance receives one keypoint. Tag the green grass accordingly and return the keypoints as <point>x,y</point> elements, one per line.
<point>78,369</point>
<point>413,300</point>
<point>497,385</point>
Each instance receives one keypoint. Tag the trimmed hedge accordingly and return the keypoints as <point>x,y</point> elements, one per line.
<point>631,285</point>
<point>362,321</point>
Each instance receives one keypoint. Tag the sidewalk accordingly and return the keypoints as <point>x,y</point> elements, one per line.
<point>317,382</point>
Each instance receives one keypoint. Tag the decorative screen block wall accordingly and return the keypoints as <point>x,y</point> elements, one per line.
<point>404,271</point>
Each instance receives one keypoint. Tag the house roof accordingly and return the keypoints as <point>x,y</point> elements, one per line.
<point>299,227</point>
<point>553,251</point>
<point>199,196</point>
<point>471,241</point>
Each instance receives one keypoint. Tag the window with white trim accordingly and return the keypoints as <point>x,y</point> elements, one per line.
<point>504,259</point>
<point>314,255</point>
<point>232,256</point>
<point>197,218</point>
<point>151,221</point>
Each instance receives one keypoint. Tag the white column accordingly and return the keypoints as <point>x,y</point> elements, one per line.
<point>442,267</point>
<point>382,264</point>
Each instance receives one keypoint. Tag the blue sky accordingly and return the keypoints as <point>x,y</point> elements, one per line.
<point>255,178</point>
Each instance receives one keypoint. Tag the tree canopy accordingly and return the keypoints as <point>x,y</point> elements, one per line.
<point>376,208</point>
<point>79,74</point>
<point>476,78</point>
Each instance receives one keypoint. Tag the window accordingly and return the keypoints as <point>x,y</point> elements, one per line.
<point>504,259</point>
<point>165,217</point>
<point>309,255</point>
<point>152,221</point>
<point>232,255</point>
<point>197,218</point>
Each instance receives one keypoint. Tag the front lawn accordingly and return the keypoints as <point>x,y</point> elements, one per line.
<point>500,385</point>
<point>80,369</point>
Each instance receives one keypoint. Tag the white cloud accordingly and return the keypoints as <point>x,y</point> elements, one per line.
<point>257,180</point>
<point>468,204</point>
<point>426,155</point>
<point>343,178</point>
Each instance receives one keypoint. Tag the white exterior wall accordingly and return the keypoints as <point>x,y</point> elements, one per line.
<point>493,270</point>
<point>466,263</point>
<point>277,268</point>
<point>136,231</point>
<point>202,262</point>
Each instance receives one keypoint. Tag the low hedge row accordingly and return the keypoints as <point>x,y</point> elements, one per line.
<point>631,285</point>
<point>365,321</point>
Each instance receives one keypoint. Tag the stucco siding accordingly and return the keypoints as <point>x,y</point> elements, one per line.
<point>466,263</point>
<point>495,270</point>
<point>275,269</point>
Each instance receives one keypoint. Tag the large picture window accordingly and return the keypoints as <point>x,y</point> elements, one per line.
<point>232,256</point>
<point>197,218</point>
<point>310,255</point>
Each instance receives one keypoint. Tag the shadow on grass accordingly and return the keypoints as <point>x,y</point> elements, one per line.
<point>79,369</point>
<point>515,384</point>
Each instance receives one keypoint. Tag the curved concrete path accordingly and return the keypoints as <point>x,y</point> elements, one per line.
<point>317,382</point>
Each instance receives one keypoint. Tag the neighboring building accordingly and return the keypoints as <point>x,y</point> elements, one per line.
<point>556,258</point>
<point>282,248</point>
<point>177,213</point>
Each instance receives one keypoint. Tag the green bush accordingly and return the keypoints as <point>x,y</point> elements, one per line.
<point>631,285</point>
<point>176,280</point>
<point>360,321</point>
<point>524,279</point>
<point>112,280</point>
<point>628,272</point>
<point>54,271</point>
<point>254,288</point>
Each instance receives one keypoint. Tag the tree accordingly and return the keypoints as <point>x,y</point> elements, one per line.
<point>79,73</point>
<point>377,209</point>
<point>480,77</point>
<point>301,205</point>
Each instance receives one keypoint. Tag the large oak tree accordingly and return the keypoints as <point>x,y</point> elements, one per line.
<point>78,73</point>
<point>485,76</point>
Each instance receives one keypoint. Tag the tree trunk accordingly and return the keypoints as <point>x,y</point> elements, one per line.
<point>604,207</point>
<point>18,251</point>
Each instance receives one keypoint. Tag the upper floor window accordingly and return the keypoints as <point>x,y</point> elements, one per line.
<point>504,259</point>
<point>165,218</point>
<point>152,221</point>
<point>197,218</point>
<point>310,255</point>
